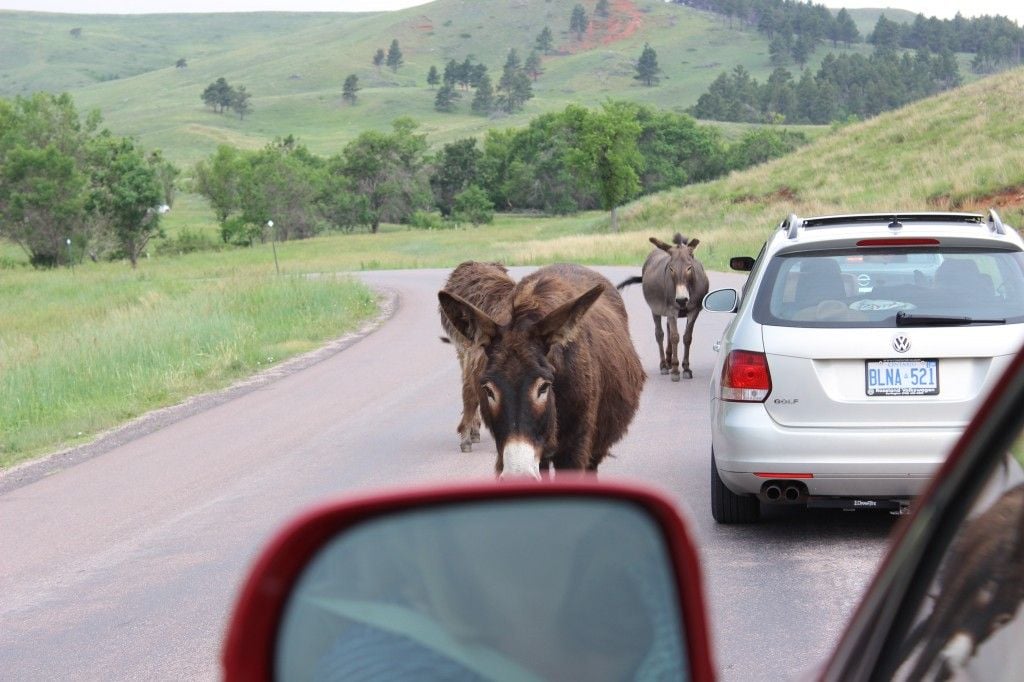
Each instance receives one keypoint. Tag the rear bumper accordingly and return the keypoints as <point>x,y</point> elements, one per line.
<point>846,462</point>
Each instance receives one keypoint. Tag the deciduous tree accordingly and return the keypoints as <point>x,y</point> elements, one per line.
<point>126,194</point>
<point>606,152</point>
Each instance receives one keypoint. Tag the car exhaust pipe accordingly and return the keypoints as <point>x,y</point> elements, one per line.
<point>773,492</point>
<point>793,493</point>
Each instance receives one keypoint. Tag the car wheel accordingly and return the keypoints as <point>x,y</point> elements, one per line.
<point>727,506</point>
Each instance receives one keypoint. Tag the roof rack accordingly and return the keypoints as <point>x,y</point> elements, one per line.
<point>793,224</point>
<point>994,223</point>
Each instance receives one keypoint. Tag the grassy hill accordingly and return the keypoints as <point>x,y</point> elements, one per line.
<point>960,150</point>
<point>294,65</point>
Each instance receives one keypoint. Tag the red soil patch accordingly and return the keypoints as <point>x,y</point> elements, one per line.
<point>1008,197</point>
<point>623,20</point>
<point>425,25</point>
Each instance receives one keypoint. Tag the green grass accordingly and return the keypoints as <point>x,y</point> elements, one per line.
<point>82,352</point>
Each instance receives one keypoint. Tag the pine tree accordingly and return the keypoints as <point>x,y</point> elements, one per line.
<point>483,101</point>
<point>432,76</point>
<point>544,41</point>
<point>394,58</point>
<point>350,88</point>
<point>378,57</point>
<point>578,22</point>
<point>601,8</point>
<point>801,52</point>
<point>532,65</point>
<point>446,98</point>
<point>647,68</point>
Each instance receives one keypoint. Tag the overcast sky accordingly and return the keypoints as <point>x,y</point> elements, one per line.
<point>941,8</point>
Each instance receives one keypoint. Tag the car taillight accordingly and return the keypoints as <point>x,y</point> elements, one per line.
<point>745,377</point>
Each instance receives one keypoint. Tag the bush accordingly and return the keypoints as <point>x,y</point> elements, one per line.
<point>758,146</point>
<point>425,220</point>
<point>187,241</point>
<point>238,232</point>
<point>472,205</point>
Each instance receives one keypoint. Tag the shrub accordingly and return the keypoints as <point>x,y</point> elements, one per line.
<point>187,241</point>
<point>426,220</point>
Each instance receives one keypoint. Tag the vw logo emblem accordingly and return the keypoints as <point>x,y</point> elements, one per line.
<point>900,343</point>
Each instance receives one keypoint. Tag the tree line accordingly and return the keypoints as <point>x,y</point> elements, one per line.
<point>845,86</point>
<point>559,163</point>
<point>69,187</point>
<point>798,28</point>
<point>996,42</point>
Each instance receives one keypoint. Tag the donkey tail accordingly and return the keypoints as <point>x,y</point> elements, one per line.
<point>626,282</point>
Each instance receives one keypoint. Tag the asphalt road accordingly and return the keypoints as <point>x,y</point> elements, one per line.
<point>121,560</point>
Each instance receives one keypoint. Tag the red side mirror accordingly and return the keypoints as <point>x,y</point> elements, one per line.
<point>571,579</point>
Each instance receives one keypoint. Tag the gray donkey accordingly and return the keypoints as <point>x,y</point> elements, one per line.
<point>674,285</point>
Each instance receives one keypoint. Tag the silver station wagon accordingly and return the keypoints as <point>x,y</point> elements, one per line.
<point>860,348</point>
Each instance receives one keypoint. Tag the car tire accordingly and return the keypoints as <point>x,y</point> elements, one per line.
<point>727,506</point>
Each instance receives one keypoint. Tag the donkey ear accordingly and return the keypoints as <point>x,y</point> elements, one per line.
<point>560,325</point>
<point>660,244</point>
<point>693,244</point>
<point>467,319</point>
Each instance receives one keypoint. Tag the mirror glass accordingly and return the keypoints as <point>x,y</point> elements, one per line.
<point>721,301</point>
<point>554,588</point>
<point>741,263</point>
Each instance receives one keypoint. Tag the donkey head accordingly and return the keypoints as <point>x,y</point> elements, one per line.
<point>517,388</point>
<point>680,266</point>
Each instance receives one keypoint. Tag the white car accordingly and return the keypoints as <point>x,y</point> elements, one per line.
<point>861,346</point>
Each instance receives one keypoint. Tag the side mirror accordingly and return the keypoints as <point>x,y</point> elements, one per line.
<point>722,301</point>
<point>565,580</point>
<point>741,263</point>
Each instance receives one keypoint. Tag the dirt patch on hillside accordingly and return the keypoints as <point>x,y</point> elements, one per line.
<point>1008,197</point>
<point>623,20</point>
<point>423,23</point>
<point>781,195</point>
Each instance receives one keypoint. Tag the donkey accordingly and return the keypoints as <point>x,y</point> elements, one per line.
<point>488,287</point>
<point>674,284</point>
<point>561,379</point>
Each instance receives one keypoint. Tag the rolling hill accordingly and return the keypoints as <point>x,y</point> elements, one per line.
<point>294,65</point>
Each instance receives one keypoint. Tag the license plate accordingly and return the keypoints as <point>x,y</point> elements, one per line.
<point>901,377</point>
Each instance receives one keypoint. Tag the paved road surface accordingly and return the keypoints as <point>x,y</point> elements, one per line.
<point>126,564</point>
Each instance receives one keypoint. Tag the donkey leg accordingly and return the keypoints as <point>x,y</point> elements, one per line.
<point>659,336</point>
<point>673,340</point>
<point>687,338</point>
<point>470,404</point>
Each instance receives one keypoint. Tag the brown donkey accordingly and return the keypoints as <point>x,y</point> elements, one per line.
<point>561,379</point>
<point>488,287</point>
<point>674,285</point>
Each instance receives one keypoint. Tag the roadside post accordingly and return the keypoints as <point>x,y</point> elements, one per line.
<point>273,245</point>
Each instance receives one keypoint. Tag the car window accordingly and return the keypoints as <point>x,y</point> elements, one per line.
<point>970,625</point>
<point>855,288</point>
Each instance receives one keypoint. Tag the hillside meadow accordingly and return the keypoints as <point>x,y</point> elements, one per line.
<point>83,351</point>
<point>294,66</point>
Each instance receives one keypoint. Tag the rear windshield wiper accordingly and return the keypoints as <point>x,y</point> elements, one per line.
<point>910,320</point>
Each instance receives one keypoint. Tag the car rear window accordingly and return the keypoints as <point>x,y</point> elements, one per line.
<point>869,287</point>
